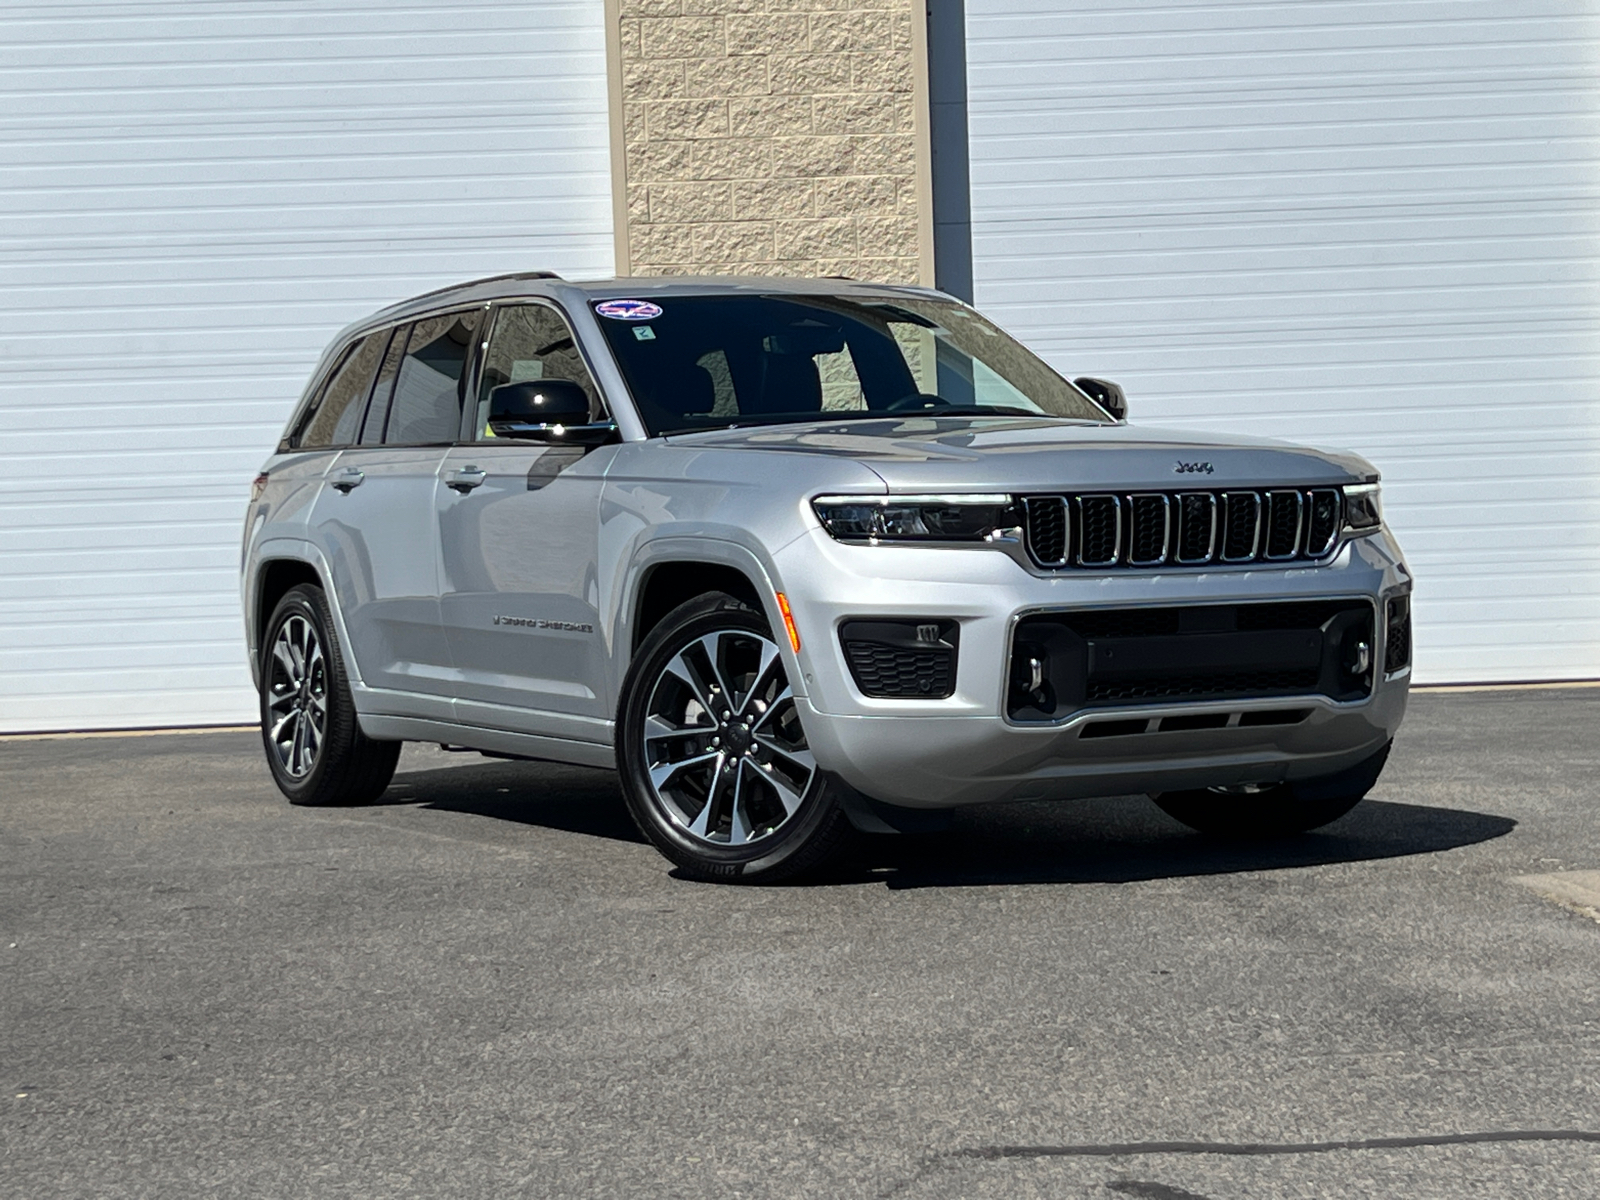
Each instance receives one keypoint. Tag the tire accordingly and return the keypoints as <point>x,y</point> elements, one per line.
<point>1280,810</point>
<point>314,744</point>
<point>715,767</point>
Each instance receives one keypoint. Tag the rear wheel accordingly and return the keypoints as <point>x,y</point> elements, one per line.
<point>1275,810</point>
<point>715,765</point>
<point>314,744</point>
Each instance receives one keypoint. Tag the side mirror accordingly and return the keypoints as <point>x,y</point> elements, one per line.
<point>545,410</point>
<point>1106,394</point>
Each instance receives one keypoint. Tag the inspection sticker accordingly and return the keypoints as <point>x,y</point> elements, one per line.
<point>628,310</point>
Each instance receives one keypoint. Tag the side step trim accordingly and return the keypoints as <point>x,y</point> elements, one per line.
<point>524,745</point>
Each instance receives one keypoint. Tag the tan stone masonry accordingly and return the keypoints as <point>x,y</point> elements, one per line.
<point>782,137</point>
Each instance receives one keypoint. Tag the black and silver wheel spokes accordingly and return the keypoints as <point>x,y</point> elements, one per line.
<point>722,740</point>
<point>297,696</point>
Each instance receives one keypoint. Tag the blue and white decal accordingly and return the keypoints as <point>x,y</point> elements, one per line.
<point>628,310</point>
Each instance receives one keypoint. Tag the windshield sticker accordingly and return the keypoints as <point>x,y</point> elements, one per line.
<point>643,333</point>
<point>628,310</point>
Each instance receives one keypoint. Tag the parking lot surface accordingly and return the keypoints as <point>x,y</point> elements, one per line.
<point>486,984</point>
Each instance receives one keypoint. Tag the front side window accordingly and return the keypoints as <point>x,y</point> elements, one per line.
<point>531,341</point>
<point>426,409</point>
<point>336,418</point>
<point>709,362</point>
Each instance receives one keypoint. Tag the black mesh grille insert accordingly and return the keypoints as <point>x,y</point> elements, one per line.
<point>890,671</point>
<point>1100,528</point>
<point>1397,646</point>
<point>1240,511</point>
<point>1218,685</point>
<point>1322,521</point>
<point>902,658</point>
<point>1283,524</point>
<point>1199,514</point>
<point>1147,532</point>
<point>1047,529</point>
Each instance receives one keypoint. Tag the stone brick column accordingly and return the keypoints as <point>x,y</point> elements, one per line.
<point>773,137</point>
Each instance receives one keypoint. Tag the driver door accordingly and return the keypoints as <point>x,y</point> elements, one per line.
<point>518,528</point>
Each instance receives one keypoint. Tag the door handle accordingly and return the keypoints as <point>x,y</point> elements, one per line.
<point>351,478</point>
<point>466,479</point>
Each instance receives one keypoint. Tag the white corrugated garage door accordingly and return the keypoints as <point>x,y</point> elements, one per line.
<point>193,198</point>
<point>1364,225</point>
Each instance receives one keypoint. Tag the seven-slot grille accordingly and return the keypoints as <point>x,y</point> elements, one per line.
<point>1154,529</point>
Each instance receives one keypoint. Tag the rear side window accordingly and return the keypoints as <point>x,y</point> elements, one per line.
<point>426,409</point>
<point>383,390</point>
<point>336,418</point>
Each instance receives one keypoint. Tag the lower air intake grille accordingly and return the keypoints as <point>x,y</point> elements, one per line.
<point>1191,529</point>
<point>1063,662</point>
<point>1218,685</point>
<point>902,659</point>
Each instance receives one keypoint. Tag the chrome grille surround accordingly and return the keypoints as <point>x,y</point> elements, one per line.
<point>1142,530</point>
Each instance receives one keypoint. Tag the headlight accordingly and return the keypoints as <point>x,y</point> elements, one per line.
<point>1363,510</point>
<point>915,518</point>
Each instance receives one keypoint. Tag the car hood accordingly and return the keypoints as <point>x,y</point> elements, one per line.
<point>964,453</point>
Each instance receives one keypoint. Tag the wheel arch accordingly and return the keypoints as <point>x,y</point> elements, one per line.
<point>666,572</point>
<point>281,565</point>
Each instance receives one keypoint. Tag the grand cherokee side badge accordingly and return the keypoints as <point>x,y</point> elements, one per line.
<point>1194,468</point>
<point>545,623</point>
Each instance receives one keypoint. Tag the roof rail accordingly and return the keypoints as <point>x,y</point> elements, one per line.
<point>456,287</point>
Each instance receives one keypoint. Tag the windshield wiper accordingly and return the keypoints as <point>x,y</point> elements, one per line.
<point>979,410</point>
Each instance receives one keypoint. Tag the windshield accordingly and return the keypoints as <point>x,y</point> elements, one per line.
<point>711,362</point>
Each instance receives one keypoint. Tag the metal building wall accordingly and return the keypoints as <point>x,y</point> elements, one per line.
<point>194,196</point>
<point>1367,225</point>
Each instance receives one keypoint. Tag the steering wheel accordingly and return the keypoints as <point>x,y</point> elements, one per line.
<point>918,402</point>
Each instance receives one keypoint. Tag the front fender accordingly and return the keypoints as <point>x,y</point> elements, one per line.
<point>724,548</point>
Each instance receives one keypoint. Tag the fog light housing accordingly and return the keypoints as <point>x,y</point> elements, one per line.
<point>1397,636</point>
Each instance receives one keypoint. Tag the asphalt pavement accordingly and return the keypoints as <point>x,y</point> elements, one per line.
<point>487,985</point>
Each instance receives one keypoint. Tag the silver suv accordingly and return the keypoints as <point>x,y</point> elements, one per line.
<point>796,556</point>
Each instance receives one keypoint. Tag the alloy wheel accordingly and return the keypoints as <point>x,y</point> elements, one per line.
<point>723,748</point>
<point>297,704</point>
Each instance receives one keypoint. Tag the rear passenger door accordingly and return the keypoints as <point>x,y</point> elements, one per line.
<point>518,527</point>
<point>374,518</point>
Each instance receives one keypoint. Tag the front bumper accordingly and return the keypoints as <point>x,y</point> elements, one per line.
<point>962,750</point>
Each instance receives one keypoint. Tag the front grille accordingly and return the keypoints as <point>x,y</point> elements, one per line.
<point>1152,529</point>
<point>902,659</point>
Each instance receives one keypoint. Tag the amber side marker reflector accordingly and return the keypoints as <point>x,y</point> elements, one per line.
<point>788,622</point>
<point>257,486</point>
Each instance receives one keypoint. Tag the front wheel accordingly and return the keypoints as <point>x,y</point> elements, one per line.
<point>1276,810</point>
<point>314,744</point>
<point>715,766</point>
